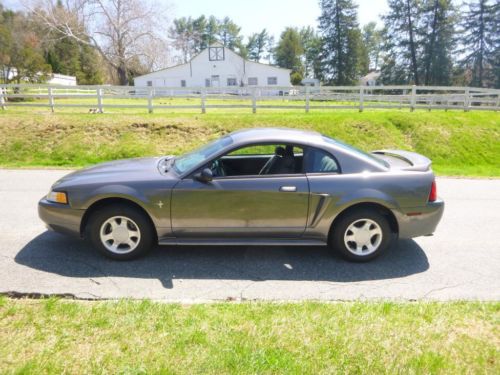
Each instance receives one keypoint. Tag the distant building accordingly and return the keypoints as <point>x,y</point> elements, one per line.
<point>313,83</point>
<point>370,79</point>
<point>218,67</point>
<point>61,79</point>
<point>9,75</point>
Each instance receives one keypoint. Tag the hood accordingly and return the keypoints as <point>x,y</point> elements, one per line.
<point>404,160</point>
<point>114,171</point>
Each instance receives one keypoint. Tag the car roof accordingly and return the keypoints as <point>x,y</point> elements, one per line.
<point>285,135</point>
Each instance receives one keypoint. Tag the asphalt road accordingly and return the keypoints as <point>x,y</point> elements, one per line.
<point>461,261</point>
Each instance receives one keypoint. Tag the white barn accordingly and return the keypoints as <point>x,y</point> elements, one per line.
<point>217,67</point>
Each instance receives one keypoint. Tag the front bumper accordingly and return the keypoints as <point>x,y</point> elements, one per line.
<point>60,217</point>
<point>419,221</point>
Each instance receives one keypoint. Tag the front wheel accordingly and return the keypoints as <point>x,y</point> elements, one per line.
<point>361,235</point>
<point>120,232</point>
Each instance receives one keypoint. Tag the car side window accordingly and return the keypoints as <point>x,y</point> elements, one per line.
<point>258,160</point>
<point>319,161</point>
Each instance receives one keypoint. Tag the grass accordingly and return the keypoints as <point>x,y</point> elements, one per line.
<point>459,143</point>
<point>59,336</point>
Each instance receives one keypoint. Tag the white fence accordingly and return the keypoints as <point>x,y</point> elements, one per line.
<point>99,98</point>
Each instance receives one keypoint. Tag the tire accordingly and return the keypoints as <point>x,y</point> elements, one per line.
<point>120,232</point>
<point>361,235</point>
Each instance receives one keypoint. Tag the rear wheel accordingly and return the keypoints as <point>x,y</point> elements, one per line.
<point>120,232</point>
<point>361,235</point>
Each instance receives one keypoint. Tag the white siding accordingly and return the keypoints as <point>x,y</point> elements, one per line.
<point>61,79</point>
<point>200,69</point>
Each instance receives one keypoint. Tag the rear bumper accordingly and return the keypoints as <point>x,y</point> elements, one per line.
<point>419,221</point>
<point>60,217</point>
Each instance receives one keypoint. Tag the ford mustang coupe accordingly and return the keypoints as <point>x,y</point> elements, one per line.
<point>262,186</point>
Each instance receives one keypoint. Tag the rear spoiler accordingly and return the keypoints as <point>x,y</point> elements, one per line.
<point>405,160</point>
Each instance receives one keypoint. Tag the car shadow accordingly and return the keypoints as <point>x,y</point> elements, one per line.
<point>69,257</point>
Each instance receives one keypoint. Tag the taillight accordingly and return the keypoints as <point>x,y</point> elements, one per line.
<point>433,194</point>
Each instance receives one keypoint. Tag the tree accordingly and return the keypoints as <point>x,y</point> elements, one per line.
<point>372,40</point>
<point>210,33</point>
<point>21,54</point>
<point>185,37</point>
<point>123,31</point>
<point>480,42</point>
<point>438,18</point>
<point>401,44</point>
<point>191,36</point>
<point>311,43</point>
<point>229,35</point>
<point>288,53</point>
<point>258,44</point>
<point>70,57</point>
<point>342,44</point>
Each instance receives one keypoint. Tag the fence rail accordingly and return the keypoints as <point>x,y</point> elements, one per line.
<point>98,98</point>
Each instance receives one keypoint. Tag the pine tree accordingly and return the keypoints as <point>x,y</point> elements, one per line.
<point>311,43</point>
<point>288,53</point>
<point>402,46</point>
<point>258,44</point>
<point>229,34</point>
<point>341,38</point>
<point>437,35</point>
<point>372,39</point>
<point>481,42</point>
<point>191,36</point>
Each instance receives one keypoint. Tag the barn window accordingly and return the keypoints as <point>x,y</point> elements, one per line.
<point>216,53</point>
<point>232,82</point>
<point>272,80</point>
<point>183,83</point>
<point>253,81</point>
<point>149,83</point>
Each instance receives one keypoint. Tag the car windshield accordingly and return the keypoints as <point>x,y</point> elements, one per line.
<point>191,159</point>
<point>356,150</point>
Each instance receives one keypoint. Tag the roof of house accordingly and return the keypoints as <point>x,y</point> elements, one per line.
<point>371,75</point>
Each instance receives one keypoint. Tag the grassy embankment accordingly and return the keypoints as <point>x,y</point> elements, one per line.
<point>57,336</point>
<point>459,143</point>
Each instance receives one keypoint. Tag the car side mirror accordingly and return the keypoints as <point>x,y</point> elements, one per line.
<point>205,175</point>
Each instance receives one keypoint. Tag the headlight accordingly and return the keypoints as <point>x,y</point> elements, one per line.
<point>57,197</point>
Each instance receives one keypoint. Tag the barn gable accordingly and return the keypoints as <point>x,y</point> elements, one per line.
<point>219,67</point>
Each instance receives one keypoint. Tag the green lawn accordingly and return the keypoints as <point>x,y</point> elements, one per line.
<point>459,143</point>
<point>57,336</point>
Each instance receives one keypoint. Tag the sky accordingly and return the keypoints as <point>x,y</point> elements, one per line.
<point>255,15</point>
<point>273,15</point>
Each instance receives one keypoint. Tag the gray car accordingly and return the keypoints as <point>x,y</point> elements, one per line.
<point>262,186</point>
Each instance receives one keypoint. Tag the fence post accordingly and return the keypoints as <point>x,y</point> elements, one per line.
<point>361,98</point>
<point>150,100</point>
<point>308,90</point>
<point>254,101</point>
<point>51,100</point>
<point>413,99</point>
<point>203,101</point>
<point>2,99</point>
<point>99,100</point>
<point>466,99</point>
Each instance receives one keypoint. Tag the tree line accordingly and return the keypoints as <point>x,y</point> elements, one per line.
<point>423,42</point>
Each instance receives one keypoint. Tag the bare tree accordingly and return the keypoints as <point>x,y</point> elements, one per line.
<point>123,31</point>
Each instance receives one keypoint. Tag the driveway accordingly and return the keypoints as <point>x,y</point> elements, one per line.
<point>461,261</point>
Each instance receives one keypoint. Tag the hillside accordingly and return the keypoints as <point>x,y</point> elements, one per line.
<point>459,143</point>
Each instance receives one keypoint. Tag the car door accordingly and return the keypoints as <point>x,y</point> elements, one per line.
<point>242,206</point>
<point>245,201</point>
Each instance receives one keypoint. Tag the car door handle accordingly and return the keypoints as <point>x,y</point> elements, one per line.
<point>288,189</point>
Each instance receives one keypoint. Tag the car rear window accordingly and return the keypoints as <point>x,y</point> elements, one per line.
<point>355,150</point>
